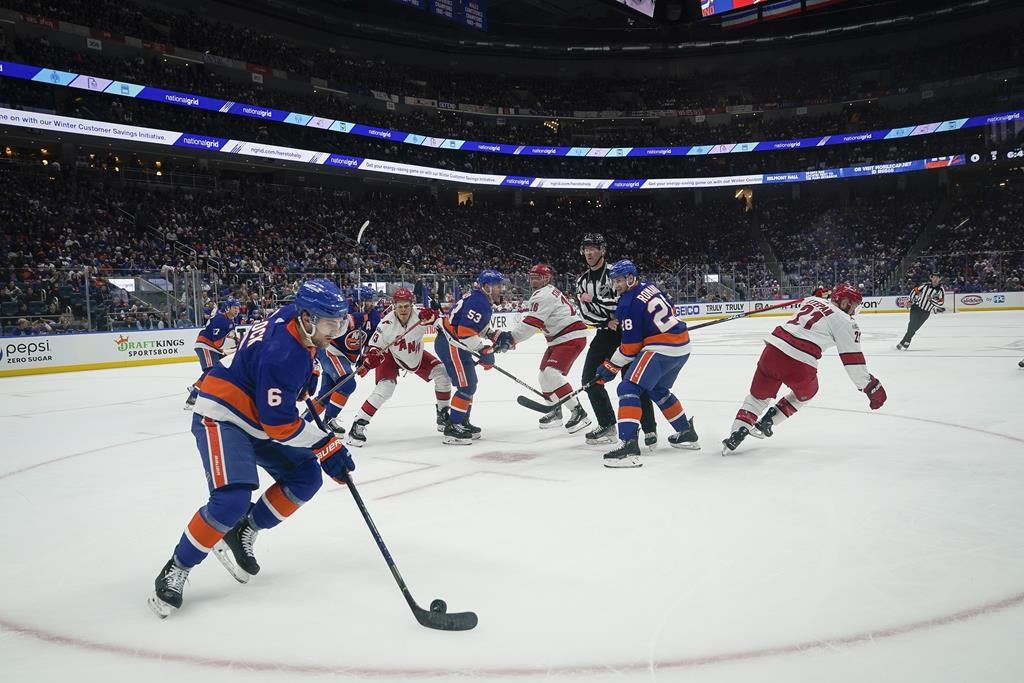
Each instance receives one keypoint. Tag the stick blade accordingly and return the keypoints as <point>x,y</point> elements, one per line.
<point>533,405</point>
<point>443,621</point>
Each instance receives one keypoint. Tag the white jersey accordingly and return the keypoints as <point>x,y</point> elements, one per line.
<point>407,353</point>
<point>819,325</point>
<point>549,311</point>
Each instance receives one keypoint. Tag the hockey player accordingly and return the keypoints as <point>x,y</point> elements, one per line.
<point>552,313</point>
<point>387,357</point>
<point>246,416</point>
<point>344,353</point>
<point>655,347</point>
<point>790,357</point>
<point>597,301</point>
<point>925,299</point>
<point>462,332</point>
<point>214,342</point>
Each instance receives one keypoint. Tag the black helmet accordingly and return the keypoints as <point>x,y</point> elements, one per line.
<point>592,238</point>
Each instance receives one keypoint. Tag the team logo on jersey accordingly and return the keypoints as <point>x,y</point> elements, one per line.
<point>971,300</point>
<point>354,341</point>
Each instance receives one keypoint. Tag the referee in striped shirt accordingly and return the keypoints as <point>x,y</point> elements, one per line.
<point>925,299</point>
<point>597,301</point>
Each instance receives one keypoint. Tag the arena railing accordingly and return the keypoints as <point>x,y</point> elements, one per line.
<point>212,104</point>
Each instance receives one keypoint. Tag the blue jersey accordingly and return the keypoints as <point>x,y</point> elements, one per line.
<point>361,327</point>
<point>216,331</point>
<point>468,320</point>
<point>648,323</point>
<point>258,390</point>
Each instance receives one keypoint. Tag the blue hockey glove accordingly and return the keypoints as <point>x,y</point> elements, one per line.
<point>606,372</point>
<point>334,459</point>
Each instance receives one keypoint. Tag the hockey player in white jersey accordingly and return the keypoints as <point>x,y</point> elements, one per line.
<point>790,357</point>
<point>552,313</point>
<point>388,359</point>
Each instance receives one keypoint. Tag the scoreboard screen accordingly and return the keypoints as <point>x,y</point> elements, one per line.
<point>709,8</point>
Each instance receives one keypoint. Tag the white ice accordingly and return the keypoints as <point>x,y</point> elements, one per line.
<point>852,546</point>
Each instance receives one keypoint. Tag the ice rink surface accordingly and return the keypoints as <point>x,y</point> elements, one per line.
<point>852,546</point>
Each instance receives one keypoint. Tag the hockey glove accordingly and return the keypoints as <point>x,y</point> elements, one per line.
<point>876,393</point>
<point>606,372</point>
<point>334,459</point>
<point>487,358</point>
<point>503,342</point>
<point>428,316</point>
<point>373,358</point>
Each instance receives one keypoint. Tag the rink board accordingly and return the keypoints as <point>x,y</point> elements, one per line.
<point>104,350</point>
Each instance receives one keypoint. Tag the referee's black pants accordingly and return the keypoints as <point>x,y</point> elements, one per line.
<point>917,317</point>
<point>602,346</point>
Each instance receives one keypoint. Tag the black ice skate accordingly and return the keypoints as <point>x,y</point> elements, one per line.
<point>601,435</point>
<point>235,551</point>
<point>193,394</point>
<point>578,419</point>
<point>1020,364</point>
<point>686,439</point>
<point>903,346</point>
<point>766,424</point>
<point>473,429</point>
<point>442,417</point>
<point>734,440</point>
<point>169,586</point>
<point>357,433</point>
<point>651,440</point>
<point>334,424</point>
<point>457,434</point>
<point>626,455</point>
<point>552,419</point>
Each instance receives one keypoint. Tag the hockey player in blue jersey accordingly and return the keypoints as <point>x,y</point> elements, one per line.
<point>655,346</point>
<point>462,332</point>
<point>246,416</point>
<point>344,353</point>
<point>214,342</point>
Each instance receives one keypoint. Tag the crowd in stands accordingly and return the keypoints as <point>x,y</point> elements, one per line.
<point>767,82</point>
<point>66,241</point>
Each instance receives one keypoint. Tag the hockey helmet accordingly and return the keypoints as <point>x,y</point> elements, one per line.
<point>847,292</point>
<point>622,269</point>
<point>403,294</point>
<point>321,299</point>
<point>489,277</point>
<point>592,239</point>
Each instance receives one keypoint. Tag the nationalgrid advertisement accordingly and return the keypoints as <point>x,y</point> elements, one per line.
<point>145,92</point>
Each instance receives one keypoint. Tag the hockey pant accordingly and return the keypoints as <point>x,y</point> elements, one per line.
<point>461,368</point>
<point>602,346</point>
<point>334,368</point>
<point>655,374</point>
<point>230,457</point>
<point>430,370</point>
<point>774,368</point>
<point>918,316</point>
<point>555,365</point>
<point>207,359</point>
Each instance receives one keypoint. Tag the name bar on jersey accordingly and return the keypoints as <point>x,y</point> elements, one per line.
<point>118,88</point>
<point>157,136</point>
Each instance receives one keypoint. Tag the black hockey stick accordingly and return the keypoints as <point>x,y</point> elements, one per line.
<point>438,617</point>
<point>496,367</point>
<point>548,407</point>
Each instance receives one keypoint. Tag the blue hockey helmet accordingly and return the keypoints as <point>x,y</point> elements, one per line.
<point>622,269</point>
<point>489,277</point>
<point>228,303</point>
<point>321,299</point>
<point>365,293</point>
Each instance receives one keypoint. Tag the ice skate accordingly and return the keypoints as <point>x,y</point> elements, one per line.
<point>626,455</point>
<point>734,440</point>
<point>552,419</point>
<point>235,551</point>
<point>578,419</point>
<point>601,435</point>
<point>457,434</point>
<point>334,424</point>
<point>651,441</point>
<point>357,433</point>
<point>442,417</point>
<point>169,586</point>
<point>765,425</point>
<point>686,439</point>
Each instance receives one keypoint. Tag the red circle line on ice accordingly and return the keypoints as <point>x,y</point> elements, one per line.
<point>868,636</point>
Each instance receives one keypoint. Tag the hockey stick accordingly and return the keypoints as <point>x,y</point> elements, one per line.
<point>327,392</point>
<point>496,367</point>
<point>548,407</point>
<point>438,617</point>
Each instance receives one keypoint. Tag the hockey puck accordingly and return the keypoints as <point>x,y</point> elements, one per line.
<point>439,606</point>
